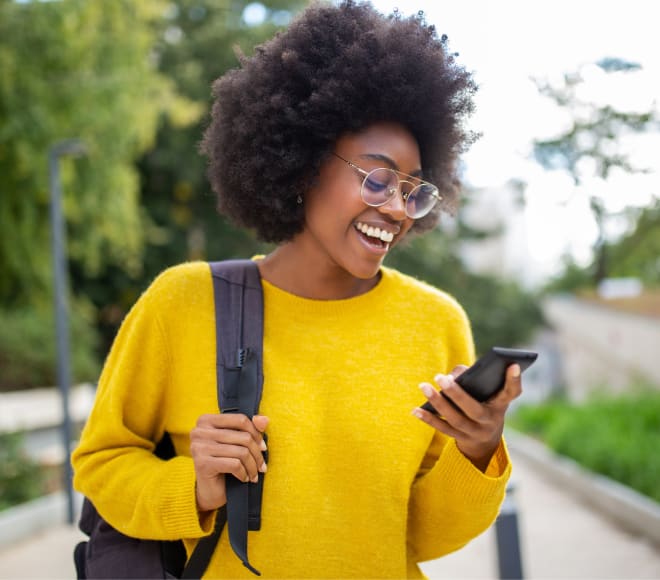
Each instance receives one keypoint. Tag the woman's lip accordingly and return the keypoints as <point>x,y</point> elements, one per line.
<point>379,249</point>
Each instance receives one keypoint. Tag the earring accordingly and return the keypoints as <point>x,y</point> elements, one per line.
<point>299,200</point>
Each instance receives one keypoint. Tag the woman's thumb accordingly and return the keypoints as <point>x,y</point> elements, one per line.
<point>260,422</point>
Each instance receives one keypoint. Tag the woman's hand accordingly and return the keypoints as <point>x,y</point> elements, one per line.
<point>476,427</point>
<point>223,444</point>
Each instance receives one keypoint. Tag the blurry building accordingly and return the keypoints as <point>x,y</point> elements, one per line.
<point>499,213</point>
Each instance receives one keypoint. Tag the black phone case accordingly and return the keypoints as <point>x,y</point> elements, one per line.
<point>486,376</point>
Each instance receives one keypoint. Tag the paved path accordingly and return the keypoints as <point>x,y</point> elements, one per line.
<point>560,538</point>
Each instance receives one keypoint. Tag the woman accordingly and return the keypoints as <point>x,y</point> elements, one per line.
<point>336,140</point>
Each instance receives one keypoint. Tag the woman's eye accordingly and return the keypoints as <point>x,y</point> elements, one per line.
<point>374,185</point>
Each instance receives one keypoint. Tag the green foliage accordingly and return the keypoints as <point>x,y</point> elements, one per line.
<point>21,478</point>
<point>84,70</point>
<point>501,311</point>
<point>617,436</point>
<point>638,253</point>
<point>28,347</point>
<point>572,278</point>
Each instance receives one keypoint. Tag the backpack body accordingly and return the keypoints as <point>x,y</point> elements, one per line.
<point>110,554</point>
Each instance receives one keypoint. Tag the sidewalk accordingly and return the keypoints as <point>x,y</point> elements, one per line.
<point>559,536</point>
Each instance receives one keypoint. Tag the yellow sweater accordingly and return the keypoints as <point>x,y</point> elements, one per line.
<point>356,487</point>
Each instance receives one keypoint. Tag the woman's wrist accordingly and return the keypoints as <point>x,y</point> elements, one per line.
<point>209,500</point>
<point>479,457</point>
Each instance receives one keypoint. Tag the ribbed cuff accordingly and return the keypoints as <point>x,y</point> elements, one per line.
<point>466,479</point>
<point>500,461</point>
<point>178,502</point>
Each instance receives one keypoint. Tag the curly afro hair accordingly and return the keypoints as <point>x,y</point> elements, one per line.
<point>334,70</point>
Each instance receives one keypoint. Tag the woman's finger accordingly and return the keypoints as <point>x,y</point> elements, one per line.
<point>234,421</point>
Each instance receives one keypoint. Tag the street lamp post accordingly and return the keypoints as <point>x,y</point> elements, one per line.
<point>75,148</point>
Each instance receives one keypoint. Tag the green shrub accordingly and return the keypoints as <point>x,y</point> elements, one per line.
<point>28,350</point>
<point>617,436</point>
<point>21,479</point>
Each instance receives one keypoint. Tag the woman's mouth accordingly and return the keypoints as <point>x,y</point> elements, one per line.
<point>375,236</point>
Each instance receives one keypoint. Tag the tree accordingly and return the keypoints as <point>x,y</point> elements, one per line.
<point>71,69</point>
<point>637,254</point>
<point>634,255</point>
<point>589,147</point>
<point>74,69</point>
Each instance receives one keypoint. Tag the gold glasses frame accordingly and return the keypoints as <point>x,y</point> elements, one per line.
<point>416,184</point>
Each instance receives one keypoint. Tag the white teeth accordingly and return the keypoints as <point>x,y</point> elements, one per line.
<point>373,232</point>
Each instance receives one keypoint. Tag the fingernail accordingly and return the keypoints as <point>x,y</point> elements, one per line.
<point>263,446</point>
<point>426,389</point>
<point>263,468</point>
<point>443,381</point>
<point>417,413</point>
<point>255,479</point>
<point>515,373</point>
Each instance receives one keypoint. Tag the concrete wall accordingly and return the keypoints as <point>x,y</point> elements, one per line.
<point>601,347</point>
<point>38,414</point>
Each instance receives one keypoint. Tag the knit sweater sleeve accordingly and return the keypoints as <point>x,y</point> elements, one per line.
<point>114,465</point>
<point>454,502</point>
<point>451,500</point>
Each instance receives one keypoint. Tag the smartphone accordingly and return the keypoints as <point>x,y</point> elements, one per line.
<point>486,376</point>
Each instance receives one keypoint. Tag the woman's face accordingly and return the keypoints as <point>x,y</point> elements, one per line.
<point>342,230</point>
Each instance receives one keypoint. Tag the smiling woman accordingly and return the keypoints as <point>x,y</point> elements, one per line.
<point>337,140</point>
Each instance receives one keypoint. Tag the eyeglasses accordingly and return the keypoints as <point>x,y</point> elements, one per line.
<point>380,185</point>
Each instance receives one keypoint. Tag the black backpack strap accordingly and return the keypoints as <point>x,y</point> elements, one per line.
<point>239,324</point>
<point>239,354</point>
<point>201,556</point>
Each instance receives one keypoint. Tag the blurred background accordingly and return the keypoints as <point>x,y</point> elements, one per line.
<point>556,245</point>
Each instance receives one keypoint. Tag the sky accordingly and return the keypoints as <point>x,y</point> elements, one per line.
<point>507,42</point>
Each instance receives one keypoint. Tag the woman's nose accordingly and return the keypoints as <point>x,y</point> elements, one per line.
<point>395,206</point>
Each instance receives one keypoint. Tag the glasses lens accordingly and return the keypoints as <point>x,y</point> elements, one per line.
<point>379,186</point>
<point>421,200</point>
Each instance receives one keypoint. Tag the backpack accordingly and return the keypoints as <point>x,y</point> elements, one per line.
<point>108,553</point>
